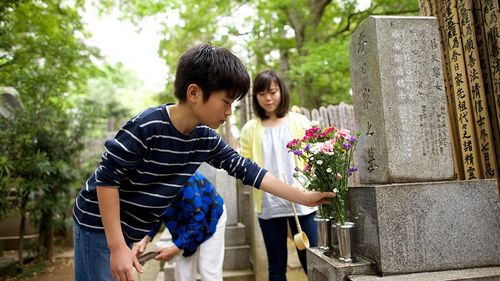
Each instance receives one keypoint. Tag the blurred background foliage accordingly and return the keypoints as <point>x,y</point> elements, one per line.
<point>307,40</point>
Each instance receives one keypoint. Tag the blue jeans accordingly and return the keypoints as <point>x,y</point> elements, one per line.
<point>91,255</point>
<point>274,232</point>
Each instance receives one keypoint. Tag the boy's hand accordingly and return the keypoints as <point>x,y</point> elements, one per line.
<point>139,247</point>
<point>274,186</point>
<point>314,198</point>
<point>167,253</point>
<point>122,263</point>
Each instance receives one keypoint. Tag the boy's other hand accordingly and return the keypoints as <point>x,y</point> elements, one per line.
<point>139,247</point>
<point>122,263</point>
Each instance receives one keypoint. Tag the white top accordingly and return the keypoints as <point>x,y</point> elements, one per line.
<point>278,161</point>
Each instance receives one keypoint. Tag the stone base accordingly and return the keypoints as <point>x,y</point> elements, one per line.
<point>323,268</point>
<point>426,227</point>
<point>473,274</point>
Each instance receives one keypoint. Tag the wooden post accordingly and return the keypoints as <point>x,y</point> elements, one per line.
<point>450,98</point>
<point>424,6</point>
<point>491,12</point>
<point>468,143</point>
<point>476,90</point>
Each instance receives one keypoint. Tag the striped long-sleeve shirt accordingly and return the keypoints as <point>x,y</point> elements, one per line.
<point>149,161</point>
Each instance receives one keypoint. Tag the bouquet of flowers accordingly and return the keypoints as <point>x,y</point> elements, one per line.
<point>327,154</point>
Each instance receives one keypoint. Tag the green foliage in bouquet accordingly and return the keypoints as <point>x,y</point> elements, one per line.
<point>328,155</point>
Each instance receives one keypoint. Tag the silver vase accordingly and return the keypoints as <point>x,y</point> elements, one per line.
<point>324,234</point>
<point>344,240</point>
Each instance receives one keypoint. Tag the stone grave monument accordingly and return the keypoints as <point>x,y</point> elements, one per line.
<point>411,217</point>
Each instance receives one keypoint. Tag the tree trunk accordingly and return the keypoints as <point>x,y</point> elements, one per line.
<point>47,236</point>
<point>20,248</point>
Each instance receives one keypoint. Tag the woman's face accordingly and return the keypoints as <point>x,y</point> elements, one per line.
<point>270,99</point>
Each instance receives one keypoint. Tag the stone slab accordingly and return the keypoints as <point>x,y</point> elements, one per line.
<point>471,274</point>
<point>237,257</point>
<point>399,101</point>
<point>324,268</point>
<point>420,227</point>
<point>235,235</point>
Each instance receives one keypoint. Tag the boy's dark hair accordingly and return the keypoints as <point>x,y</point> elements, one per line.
<point>212,69</point>
<point>261,83</point>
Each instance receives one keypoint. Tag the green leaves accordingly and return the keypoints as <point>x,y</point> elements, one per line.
<point>43,56</point>
<point>305,40</point>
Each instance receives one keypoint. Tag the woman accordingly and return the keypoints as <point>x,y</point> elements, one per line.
<point>264,140</point>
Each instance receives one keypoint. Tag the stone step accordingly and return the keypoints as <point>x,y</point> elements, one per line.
<point>228,275</point>
<point>237,257</point>
<point>483,274</point>
<point>238,275</point>
<point>235,235</point>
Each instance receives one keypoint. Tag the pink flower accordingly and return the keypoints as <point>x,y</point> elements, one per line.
<point>327,147</point>
<point>344,133</point>
<point>307,168</point>
<point>327,131</point>
<point>293,143</point>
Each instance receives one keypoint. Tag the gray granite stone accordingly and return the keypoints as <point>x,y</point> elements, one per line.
<point>429,226</point>
<point>323,268</point>
<point>470,274</point>
<point>399,101</point>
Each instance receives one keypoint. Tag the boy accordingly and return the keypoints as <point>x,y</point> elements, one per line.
<point>196,220</point>
<point>154,154</point>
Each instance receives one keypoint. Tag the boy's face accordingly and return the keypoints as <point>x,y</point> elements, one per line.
<point>216,110</point>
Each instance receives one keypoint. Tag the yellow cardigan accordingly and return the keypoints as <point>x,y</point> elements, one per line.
<point>251,143</point>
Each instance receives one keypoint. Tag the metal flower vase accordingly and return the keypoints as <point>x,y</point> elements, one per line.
<point>324,234</point>
<point>344,239</point>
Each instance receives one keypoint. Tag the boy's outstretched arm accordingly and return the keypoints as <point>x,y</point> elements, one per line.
<point>275,186</point>
<point>122,261</point>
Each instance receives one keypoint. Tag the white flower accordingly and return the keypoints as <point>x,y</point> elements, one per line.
<point>319,162</point>
<point>329,170</point>
<point>316,148</point>
<point>335,190</point>
<point>315,123</point>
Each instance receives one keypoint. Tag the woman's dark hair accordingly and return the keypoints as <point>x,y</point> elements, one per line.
<point>261,83</point>
<point>212,69</point>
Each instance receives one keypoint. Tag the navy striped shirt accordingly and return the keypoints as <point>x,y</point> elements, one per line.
<point>149,161</point>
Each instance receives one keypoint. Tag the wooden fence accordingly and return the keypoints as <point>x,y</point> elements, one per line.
<point>340,116</point>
